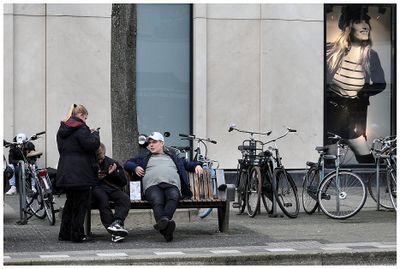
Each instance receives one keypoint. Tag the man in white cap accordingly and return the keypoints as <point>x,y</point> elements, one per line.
<point>164,179</point>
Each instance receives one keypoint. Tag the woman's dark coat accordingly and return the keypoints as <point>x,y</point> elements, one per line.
<point>77,145</point>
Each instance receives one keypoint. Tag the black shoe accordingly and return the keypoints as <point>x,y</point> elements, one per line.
<point>84,239</point>
<point>168,233</point>
<point>162,224</point>
<point>117,228</point>
<point>61,238</point>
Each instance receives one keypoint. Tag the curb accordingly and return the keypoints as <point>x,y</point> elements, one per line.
<point>361,257</point>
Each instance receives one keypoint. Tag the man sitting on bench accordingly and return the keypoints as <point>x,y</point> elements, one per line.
<point>164,179</point>
<point>111,180</point>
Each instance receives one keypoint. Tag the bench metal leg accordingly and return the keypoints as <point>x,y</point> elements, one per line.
<point>223,218</point>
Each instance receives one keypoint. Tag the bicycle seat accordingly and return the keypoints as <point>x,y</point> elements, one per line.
<point>241,147</point>
<point>322,148</point>
<point>310,163</point>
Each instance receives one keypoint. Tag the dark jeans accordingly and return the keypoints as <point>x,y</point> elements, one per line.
<point>164,200</point>
<point>122,205</point>
<point>73,215</point>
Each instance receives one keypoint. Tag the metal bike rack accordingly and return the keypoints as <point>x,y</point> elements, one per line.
<point>23,219</point>
<point>378,198</point>
<point>274,213</point>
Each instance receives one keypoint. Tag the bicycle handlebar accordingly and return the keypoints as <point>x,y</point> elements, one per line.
<point>33,137</point>
<point>232,127</point>
<point>288,130</point>
<point>193,137</point>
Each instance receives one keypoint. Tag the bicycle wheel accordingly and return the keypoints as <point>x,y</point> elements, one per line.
<point>342,197</point>
<point>267,193</point>
<point>241,190</point>
<point>286,193</point>
<point>253,192</point>
<point>310,190</point>
<point>392,184</point>
<point>384,189</point>
<point>34,197</point>
<point>45,189</point>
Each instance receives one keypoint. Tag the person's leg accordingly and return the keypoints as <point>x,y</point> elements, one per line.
<point>100,198</point>
<point>122,204</point>
<point>12,182</point>
<point>172,196</point>
<point>155,196</point>
<point>80,207</point>
<point>66,218</point>
<point>361,150</point>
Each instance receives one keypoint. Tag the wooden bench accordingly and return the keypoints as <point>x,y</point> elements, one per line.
<point>202,198</point>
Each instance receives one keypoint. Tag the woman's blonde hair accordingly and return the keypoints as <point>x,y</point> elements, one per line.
<point>76,109</point>
<point>342,46</point>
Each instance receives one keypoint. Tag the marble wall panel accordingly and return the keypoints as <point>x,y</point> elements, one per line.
<point>298,12</point>
<point>232,84</point>
<point>29,9</point>
<point>91,10</point>
<point>233,11</point>
<point>78,71</point>
<point>29,77</point>
<point>8,74</point>
<point>292,91</point>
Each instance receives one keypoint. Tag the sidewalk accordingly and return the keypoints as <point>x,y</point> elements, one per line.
<point>367,238</point>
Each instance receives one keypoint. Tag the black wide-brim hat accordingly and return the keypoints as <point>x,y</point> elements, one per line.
<point>352,13</point>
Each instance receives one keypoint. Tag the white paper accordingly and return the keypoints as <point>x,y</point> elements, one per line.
<point>135,190</point>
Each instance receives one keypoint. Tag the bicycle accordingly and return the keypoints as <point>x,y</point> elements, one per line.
<point>262,176</point>
<point>250,150</point>
<point>383,192</point>
<point>35,190</point>
<point>283,185</point>
<point>208,179</point>
<point>340,194</point>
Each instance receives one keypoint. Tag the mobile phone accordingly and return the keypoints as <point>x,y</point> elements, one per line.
<point>98,129</point>
<point>103,172</point>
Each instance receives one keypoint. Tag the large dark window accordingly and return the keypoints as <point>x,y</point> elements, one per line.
<point>163,68</point>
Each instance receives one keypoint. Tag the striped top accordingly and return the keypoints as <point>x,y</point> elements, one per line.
<point>349,79</point>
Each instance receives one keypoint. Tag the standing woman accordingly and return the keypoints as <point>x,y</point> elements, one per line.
<point>354,74</point>
<point>77,171</point>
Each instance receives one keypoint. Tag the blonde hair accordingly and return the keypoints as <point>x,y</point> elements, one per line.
<point>342,46</point>
<point>76,109</point>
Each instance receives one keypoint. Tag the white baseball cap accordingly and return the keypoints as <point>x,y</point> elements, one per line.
<point>156,136</point>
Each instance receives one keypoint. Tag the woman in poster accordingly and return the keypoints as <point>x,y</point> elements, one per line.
<point>354,73</point>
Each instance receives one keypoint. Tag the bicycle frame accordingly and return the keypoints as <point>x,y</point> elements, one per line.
<point>278,164</point>
<point>384,153</point>
<point>339,193</point>
<point>28,167</point>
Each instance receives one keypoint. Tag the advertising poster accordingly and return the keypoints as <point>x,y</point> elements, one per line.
<point>360,87</point>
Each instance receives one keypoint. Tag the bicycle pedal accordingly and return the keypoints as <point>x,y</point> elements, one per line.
<point>288,204</point>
